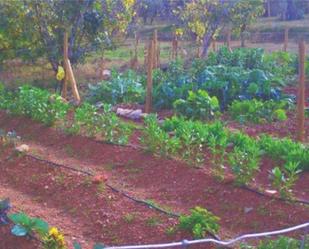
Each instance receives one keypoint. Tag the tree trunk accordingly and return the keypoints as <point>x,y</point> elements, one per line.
<point>206,43</point>
<point>243,40</point>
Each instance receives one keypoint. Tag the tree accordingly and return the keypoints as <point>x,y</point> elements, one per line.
<point>243,13</point>
<point>37,26</point>
<point>204,18</point>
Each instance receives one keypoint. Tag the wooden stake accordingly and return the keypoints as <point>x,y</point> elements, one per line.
<point>65,57</point>
<point>301,93</point>
<point>72,80</point>
<point>69,71</point>
<point>228,39</point>
<point>174,48</point>
<point>148,105</point>
<point>145,55</point>
<point>155,48</point>
<point>286,39</point>
<point>158,54</point>
<point>214,46</point>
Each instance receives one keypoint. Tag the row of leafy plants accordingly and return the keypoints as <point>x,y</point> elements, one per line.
<point>190,140</point>
<point>238,75</point>
<point>51,109</point>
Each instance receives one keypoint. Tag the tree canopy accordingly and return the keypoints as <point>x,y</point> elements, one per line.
<point>33,28</point>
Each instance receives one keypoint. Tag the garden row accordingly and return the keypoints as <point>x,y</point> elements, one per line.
<point>199,222</point>
<point>176,137</point>
<point>200,88</point>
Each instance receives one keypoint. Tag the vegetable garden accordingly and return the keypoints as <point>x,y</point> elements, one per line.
<point>217,147</point>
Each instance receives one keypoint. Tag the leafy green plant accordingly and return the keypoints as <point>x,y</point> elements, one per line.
<point>285,149</point>
<point>94,121</point>
<point>284,179</point>
<point>156,140</point>
<point>199,222</point>
<point>257,111</point>
<point>53,240</point>
<point>4,209</point>
<point>37,104</point>
<point>217,145</point>
<point>25,225</point>
<point>198,105</point>
<point>121,88</point>
<point>244,163</point>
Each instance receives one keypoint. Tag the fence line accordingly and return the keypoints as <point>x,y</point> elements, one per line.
<point>186,243</point>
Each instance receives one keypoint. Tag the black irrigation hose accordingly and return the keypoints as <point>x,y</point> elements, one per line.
<point>140,201</point>
<point>305,202</point>
<point>108,185</point>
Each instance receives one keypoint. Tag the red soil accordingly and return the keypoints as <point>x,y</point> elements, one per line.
<point>98,215</point>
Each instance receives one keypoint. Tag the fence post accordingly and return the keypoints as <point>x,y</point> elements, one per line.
<point>286,39</point>
<point>301,92</point>
<point>148,104</point>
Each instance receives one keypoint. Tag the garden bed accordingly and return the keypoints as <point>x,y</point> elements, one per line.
<point>101,215</point>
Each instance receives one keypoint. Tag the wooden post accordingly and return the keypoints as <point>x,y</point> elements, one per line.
<point>145,55</point>
<point>155,48</point>
<point>301,92</point>
<point>228,39</point>
<point>65,57</point>
<point>68,70</point>
<point>158,54</point>
<point>214,46</point>
<point>148,105</point>
<point>286,39</point>
<point>174,48</point>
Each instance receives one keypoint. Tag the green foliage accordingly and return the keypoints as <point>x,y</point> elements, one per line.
<point>198,105</point>
<point>35,103</point>
<point>257,111</point>
<point>25,225</point>
<point>94,121</point>
<point>244,162</point>
<point>280,243</point>
<point>286,150</point>
<point>237,75</point>
<point>199,222</point>
<point>35,29</point>
<point>157,140</point>
<point>284,179</point>
<point>121,88</point>
<point>96,246</point>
